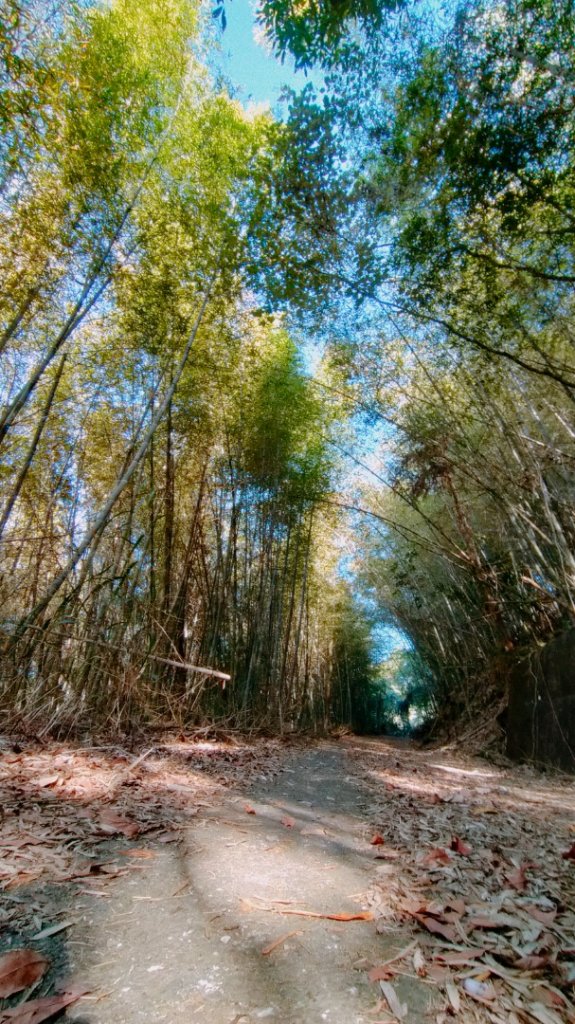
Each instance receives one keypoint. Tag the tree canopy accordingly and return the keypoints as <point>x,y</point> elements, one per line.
<point>184,500</point>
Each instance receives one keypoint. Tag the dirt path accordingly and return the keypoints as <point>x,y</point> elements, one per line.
<point>458,866</point>
<point>201,954</point>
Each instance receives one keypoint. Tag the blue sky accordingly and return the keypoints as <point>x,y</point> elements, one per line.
<point>258,75</point>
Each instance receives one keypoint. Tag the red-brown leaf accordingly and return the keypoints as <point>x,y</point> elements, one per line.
<point>37,1010</point>
<point>381,973</point>
<point>437,926</point>
<point>460,847</point>
<point>111,822</point>
<point>489,923</point>
<point>436,856</point>
<point>466,956</point>
<point>377,840</point>
<point>545,917</point>
<point>548,996</point>
<point>531,963</point>
<point>569,854</point>
<point>517,879</point>
<point>19,969</point>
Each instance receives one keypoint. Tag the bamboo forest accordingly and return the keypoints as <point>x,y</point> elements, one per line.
<point>288,392</point>
<point>287,511</point>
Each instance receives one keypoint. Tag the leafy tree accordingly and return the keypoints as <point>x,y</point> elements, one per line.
<point>313,32</point>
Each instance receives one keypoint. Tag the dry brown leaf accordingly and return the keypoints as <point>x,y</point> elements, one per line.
<point>437,926</point>
<point>453,996</point>
<point>110,822</point>
<point>139,854</point>
<point>412,906</point>
<point>437,856</point>
<point>531,963</point>
<point>518,879</point>
<point>546,917</point>
<point>382,973</point>
<point>53,930</point>
<point>37,1010</point>
<point>548,996</point>
<point>398,1009</point>
<point>494,923</point>
<point>19,969</point>
<point>544,1014</point>
<point>466,956</point>
<point>23,878</point>
<point>456,906</point>
<point>438,974</point>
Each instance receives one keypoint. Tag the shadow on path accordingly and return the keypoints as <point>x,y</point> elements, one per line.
<point>187,940</point>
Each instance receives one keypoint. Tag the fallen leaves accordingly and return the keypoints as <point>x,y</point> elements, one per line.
<point>531,963</point>
<point>546,917</point>
<point>457,869</point>
<point>54,929</point>
<point>453,996</point>
<point>49,814</point>
<point>436,856</point>
<point>112,823</point>
<point>398,1009</point>
<point>38,1010</point>
<point>437,925</point>
<point>60,799</point>
<point>479,871</point>
<point>518,879</point>
<point>19,969</point>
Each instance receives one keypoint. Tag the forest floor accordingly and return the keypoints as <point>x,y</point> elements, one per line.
<point>355,881</point>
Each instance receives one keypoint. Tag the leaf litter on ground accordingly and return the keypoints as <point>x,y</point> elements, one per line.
<point>472,861</point>
<point>65,807</point>
<point>19,969</point>
<point>475,866</point>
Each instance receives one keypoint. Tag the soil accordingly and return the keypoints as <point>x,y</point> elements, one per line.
<point>213,905</point>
